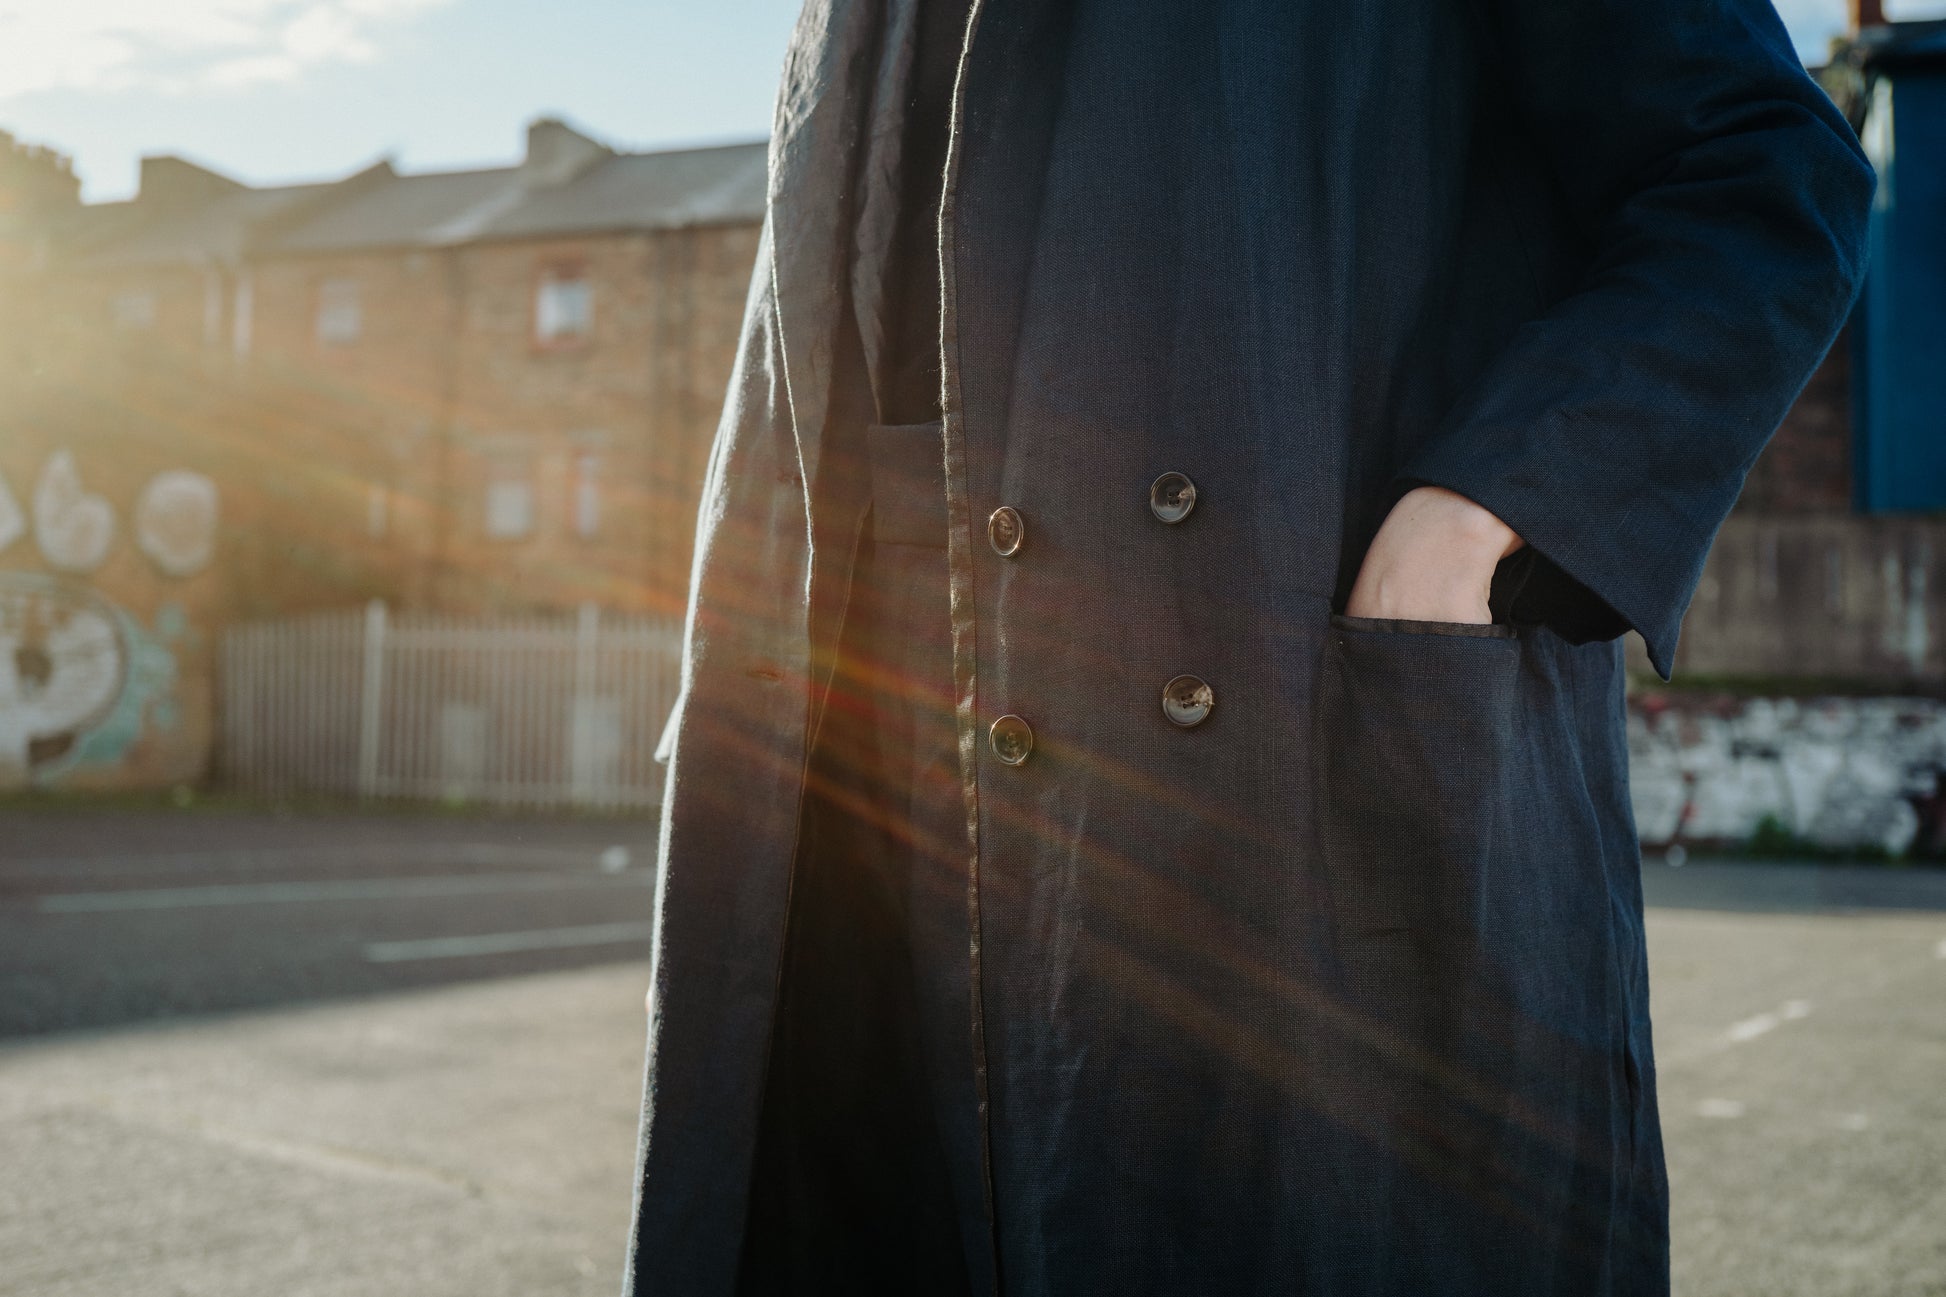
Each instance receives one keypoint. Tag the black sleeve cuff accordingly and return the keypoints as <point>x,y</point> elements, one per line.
<point>1561,578</point>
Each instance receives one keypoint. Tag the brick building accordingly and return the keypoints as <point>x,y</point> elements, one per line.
<point>466,392</point>
<point>517,370</point>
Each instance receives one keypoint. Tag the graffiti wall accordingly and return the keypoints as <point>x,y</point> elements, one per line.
<point>107,589</point>
<point>1864,775</point>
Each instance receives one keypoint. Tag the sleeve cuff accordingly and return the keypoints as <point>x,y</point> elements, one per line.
<point>1582,584</point>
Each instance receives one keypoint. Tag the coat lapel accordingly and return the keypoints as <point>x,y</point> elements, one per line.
<point>814,168</point>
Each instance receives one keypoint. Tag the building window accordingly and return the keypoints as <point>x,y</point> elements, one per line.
<point>240,313</point>
<point>378,502</point>
<point>338,315</point>
<point>134,310</point>
<point>212,308</point>
<point>563,307</point>
<point>509,507</point>
<point>587,495</point>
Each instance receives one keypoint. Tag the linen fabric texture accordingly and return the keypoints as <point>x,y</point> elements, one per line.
<point>1342,991</point>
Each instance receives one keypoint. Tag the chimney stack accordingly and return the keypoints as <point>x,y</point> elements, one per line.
<point>171,182</point>
<point>557,153</point>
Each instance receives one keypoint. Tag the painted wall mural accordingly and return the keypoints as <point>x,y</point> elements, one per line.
<point>81,680</point>
<point>13,523</point>
<point>86,687</point>
<point>73,526</point>
<point>175,521</point>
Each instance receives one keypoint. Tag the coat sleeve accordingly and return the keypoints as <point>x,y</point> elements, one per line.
<point>1725,200</point>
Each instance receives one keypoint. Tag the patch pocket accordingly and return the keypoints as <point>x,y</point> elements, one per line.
<point>1416,727</point>
<point>1416,724</point>
<point>1468,925</point>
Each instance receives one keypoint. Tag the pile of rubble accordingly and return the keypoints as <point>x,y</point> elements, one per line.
<point>1863,775</point>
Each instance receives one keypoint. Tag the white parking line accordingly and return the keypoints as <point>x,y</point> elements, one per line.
<point>1751,1028</point>
<point>354,889</point>
<point>436,854</point>
<point>502,943</point>
<point>1939,951</point>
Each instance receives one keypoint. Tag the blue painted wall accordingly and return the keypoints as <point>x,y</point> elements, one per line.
<point>1899,329</point>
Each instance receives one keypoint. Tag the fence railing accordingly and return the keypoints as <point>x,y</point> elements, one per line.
<point>518,710</point>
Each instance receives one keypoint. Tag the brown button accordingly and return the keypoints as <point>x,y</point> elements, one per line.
<point>1187,701</point>
<point>1011,738</point>
<point>1005,531</point>
<point>1171,497</point>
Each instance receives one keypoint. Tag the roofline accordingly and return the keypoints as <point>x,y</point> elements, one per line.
<point>258,239</point>
<point>273,253</point>
<point>512,167</point>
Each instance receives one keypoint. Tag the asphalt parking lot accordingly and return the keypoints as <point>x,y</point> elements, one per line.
<point>1801,1049</point>
<point>136,917</point>
<point>402,1116</point>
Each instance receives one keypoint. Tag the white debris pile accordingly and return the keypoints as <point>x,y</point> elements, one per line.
<point>1838,773</point>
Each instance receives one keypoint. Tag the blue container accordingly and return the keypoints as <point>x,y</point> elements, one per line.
<point>1899,328</point>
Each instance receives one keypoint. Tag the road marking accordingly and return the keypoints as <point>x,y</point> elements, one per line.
<point>503,943</point>
<point>1751,1028</point>
<point>351,889</point>
<point>477,855</point>
<point>341,1161</point>
<point>1939,951</point>
<point>1720,1108</point>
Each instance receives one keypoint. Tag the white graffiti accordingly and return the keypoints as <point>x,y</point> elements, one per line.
<point>73,527</point>
<point>62,665</point>
<point>175,521</point>
<point>12,521</point>
<point>1839,773</point>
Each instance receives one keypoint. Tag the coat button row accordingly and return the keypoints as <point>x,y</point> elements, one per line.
<point>1186,700</point>
<point>1171,498</point>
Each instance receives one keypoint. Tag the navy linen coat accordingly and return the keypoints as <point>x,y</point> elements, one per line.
<point>1341,991</point>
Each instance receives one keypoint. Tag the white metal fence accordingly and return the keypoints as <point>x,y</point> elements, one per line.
<point>523,710</point>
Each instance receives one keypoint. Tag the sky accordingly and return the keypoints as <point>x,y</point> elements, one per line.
<point>280,90</point>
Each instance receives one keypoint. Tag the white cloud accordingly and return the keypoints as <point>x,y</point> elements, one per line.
<point>323,32</point>
<point>250,70</point>
<point>185,45</point>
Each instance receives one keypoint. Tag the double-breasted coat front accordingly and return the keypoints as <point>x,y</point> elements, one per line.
<point>1303,953</point>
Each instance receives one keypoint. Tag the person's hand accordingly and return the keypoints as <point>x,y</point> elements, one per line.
<point>1432,560</point>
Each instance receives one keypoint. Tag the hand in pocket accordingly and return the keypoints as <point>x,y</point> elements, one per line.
<point>1432,561</point>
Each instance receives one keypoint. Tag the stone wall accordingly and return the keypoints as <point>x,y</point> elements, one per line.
<point>1839,598</point>
<point>1862,775</point>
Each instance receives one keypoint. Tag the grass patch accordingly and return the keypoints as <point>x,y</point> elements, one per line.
<point>1775,840</point>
